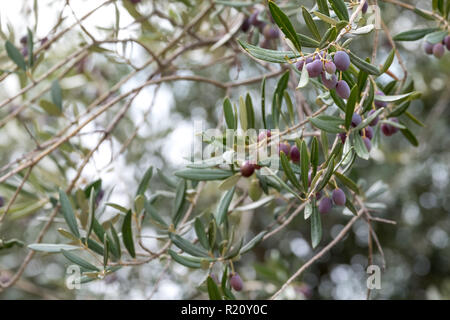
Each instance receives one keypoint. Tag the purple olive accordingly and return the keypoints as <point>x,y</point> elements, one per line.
<point>365,7</point>
<point>438,50</point>
<point>271,32</point>
<point>341,60</point>
<point>386,129</point>
<point>295,154</point>
<point>367,143</point>
<point>325,205</point>
<point>330,67</point>
<point>135,1</point>
<point>318,195</point>
<point>374,122</point>
<point>394,129</point>
<point>342,136</point>
<point>245,26</point>
<point>24,51</point>
<point>342,89</point>
<point>389,130</point>
<point>356,120</point>
<point>367,132</point>
<point>285,147</point>
<point>338,197</point>
<point>314,68</point>
<point>378,103</point>
<point>236,282</point>
<point>253,19</point>
<point>299,64</point>
<point>428,47</point>
<point>24,40</point>
<point>99,197</point>
<point>2,201</point>
<point>247,169</point>
<point>447,42</point>
<point>329,83</point>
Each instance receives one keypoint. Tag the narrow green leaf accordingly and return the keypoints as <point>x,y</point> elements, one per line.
<point>154,215</point>
<point>328,123</point>
<point>50,108</point>
<point>143,185</point>
<point>323,7</point>
<point>105,252</point>
<point>267,54</point>
<point>388,61</point>
<point>51,247</point>
<point>314,155</point>
<point>15,55</point>
<point>228,112</point>
<point>368,102</point>
<point>288,170</point>
<point>325,18</point>
<point>338,100</point>
<point>115,248</point>
<point>306,41</point>
<point>179,200</point>
<point>250,112</point>
<point>327,175</point>
<point>368,120</point>
<point>304,79</point>
<point>30,44</point>
<point>201,234</point>
<point>399,110</point>
<point>224,204</point>
<point>310,24</point>
<point>183,261</point>
<point>304,163</point>
<point>360,146</point>
<point>340,9</point>
<point>347,181</point>
<point>316,227</point>
<point>363,65</point>
<point>69,215</point>
<point>289,105</point>
<point>188,247</point>
<point>252,243</point>
<point>436,37</point>
<point>282,20</point>
<point>127,234</point>
<point>91,217</point>
<point>413,35</point>
<point>351,102</point>
<point>79,261</point>
<point>204,174</point>
<point>56,94</point>
<point>243,114</point>
<point>410,136</point>
<point>213,290</point>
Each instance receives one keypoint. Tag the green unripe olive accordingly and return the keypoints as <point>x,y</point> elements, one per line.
<point>255,191</point>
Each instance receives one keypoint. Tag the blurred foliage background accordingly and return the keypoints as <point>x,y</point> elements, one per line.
<point>416,180</point>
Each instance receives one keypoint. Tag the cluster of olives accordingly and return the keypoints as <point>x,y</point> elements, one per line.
<point>337,198</point>
<point>320,65</point>
<point>437,49</point>
<point>269,31</point>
